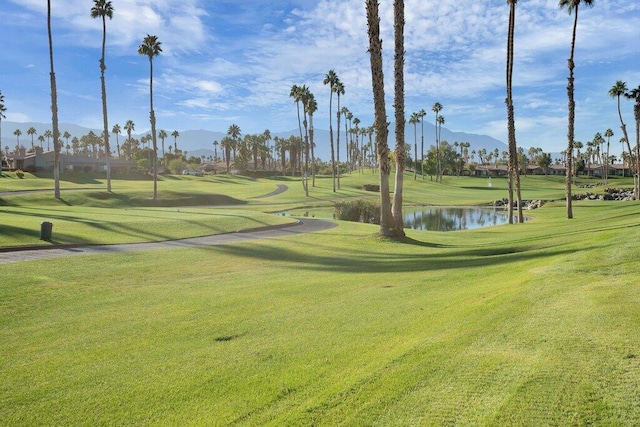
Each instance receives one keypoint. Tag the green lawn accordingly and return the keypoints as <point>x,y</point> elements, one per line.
<point>533,324</point>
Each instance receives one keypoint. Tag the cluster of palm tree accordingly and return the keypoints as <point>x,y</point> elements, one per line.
<point>292,145</point>
<point>32,132</point>
<point>358,152</point>
<point>138,149</point>
<point>149,47</point>
<point>302,95</point>
<point>241,151</point>
<point>619,90</point>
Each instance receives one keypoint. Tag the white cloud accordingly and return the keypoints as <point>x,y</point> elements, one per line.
<point>221,63</point>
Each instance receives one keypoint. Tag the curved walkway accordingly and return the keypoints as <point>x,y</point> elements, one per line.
<point>280,188</point>
<point>301,227</point>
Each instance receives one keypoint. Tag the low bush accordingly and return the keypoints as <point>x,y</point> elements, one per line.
<point>359,210</point>
<point>19,174</point>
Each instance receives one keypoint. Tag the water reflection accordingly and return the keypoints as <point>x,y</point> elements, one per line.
<point>453,218</point>
<point>428,218</point>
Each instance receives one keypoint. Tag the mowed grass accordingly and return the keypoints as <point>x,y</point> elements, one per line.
<point>87,213</point>
<point>533,324</point>
<point>186,207</point>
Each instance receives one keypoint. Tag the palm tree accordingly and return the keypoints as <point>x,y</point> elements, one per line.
<point>162,135</point>
<point>598,142</point>
<point>48,134</point>
<point>41,139</point>
<point>151,47</point>
<point>295,93</point>
<point>571,5</point>
<point>400,151</point>
<point>54,111</point>
<point>413,120</point>
<point>387,225</point>
<point>339,90</point>
<point>215,150</point>
<point>31,131</point>
<point>116,129</point>
<point>66,135</point>
<point>129,126</point>
<point>175,134</point>
<point>607,134</point>
<point>75,145</point>
<point>440,121</point>
<point>349,138</point>
<point>3,109</point>
<point>513,172</point>
<point>226,144</point>
<point>305,94</point>
<point>312,107</point>
<point>619,89</point>
<point>343,111</point>
<point>103,9</point>
<point>266,135</point>
<point>635,95</point>
<point>17,133</point>
<point>422,114</point>
<point>234,132</point>
<point>623,155</point>
<point>331,79</point>
<point>356,148</point>
<point>437,107</point>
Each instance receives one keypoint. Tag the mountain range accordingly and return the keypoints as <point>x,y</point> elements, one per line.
<point>200,142</point>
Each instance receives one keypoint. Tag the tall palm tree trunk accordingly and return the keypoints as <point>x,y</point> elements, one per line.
<point>437,149</point>
<point>572,116</point>
<point>301,139</point>
<point>637,182</point>
<point>337,166</point>
<point>333,155</point>
<point>152,116</point>
<point>387,226</point>
<point>401,153</point>
<point>54,111</point>
<point>636,113</point>
<point>415,152</point>
<point>306,154</point>
<point>636,176</point>
<point>103,67</point>
<point>422,144</point>
<point>513,173</point>
<point>313,156</point>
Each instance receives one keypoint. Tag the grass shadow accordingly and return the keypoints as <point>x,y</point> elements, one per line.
<point>362,261</point>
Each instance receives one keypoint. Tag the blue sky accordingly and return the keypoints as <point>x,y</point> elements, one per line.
<point>235,61</point>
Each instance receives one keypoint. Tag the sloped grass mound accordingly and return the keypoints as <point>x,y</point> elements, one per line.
<point>131,199</point>
<point>166,199</point>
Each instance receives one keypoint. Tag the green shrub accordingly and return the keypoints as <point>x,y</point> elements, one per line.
<point>19,174</point>
<point>176,166</point>
<point>359,210</point>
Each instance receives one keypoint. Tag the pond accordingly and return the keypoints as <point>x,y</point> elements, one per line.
<point>430,218</point>
<point>453,218</point>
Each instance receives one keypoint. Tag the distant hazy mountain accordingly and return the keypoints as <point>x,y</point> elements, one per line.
<point>200,142</point>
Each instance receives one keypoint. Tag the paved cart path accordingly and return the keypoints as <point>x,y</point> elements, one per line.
<point>280,188</point>
<point>300,227</point>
